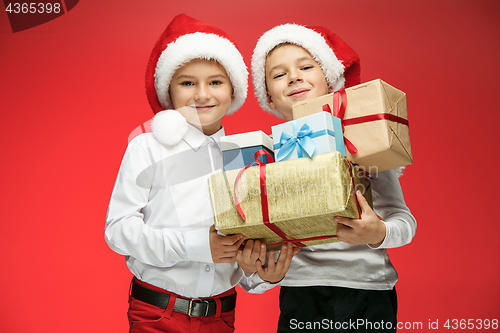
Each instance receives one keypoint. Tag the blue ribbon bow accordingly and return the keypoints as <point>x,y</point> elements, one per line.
<point>300,140</point>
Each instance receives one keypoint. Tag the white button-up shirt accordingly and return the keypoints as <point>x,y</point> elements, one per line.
<point>160,213</point>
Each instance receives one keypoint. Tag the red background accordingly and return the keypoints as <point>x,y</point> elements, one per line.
<point>72,90</point>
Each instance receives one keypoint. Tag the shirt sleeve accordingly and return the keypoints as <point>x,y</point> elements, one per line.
<point>252,283</point>
<point>125,230</point>
<point>389,204</point>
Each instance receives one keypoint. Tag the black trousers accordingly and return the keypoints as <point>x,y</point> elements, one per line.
<point>337,309</point>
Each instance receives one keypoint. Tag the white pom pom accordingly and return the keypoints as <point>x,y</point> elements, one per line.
<point>169,127</point>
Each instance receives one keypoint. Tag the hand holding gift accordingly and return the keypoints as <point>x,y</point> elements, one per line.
<point>252,258</point>
<point>224,248</point>
<point>276,270</point>
<point>252,251</point>
<point>367,230</point>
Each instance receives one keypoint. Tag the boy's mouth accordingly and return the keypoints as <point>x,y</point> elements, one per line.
<point>203,108</point>
<point>299,92</point>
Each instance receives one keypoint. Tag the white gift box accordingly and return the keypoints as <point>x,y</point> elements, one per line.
<point>239,150</point>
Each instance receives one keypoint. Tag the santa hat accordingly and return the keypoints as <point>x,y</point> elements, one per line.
<point>183,40</point>
<point>339,62</point>
<point>186,39</point>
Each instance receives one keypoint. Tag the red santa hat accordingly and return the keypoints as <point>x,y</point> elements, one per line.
<point>186,39</point>
<point>339,62</point>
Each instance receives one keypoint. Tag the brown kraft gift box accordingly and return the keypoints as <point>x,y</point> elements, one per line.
<point>382,144</point>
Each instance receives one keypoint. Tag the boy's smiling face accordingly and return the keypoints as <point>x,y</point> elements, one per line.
<point>202,92</point>
<point>292,75</point>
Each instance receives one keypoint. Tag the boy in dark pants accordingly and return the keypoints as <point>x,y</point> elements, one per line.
<point>349,285</point>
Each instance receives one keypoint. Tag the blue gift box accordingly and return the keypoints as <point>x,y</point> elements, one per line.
<point>238,150</point>
<point>316,134</point>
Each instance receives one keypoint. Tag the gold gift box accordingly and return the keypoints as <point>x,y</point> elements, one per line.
<point>381,144</point>
<point>303,197</point>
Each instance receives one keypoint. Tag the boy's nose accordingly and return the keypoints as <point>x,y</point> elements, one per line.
<point>202,93</point>
<point>295,77</point>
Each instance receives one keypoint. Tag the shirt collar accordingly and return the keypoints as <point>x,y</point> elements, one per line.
<point>195,138</point>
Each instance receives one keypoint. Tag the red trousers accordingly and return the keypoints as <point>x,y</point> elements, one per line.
<point>147,318</point>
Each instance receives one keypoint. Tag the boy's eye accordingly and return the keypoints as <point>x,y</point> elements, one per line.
<point>187,83</point>
<point>277,76</point>
<point>215,82</point>
<point>306,67</point>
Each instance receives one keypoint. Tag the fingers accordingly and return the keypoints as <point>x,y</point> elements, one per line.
<point>343,221</point>
<point>231,250</point>
<point>341,228</point>
<point>363,204</point>
<point>271,263</point>
<point>236,239</point>
<point>365,208</point>
<point>224,249</point>
<point>257,250</point>
<point>233,240</point>
<point>286,256</point>
<point>221,256</point>
<point>258,255</point>
<point>281,266</point>
<point>260,269</point>
<point>259,265</point>
<point>277,268</point>
<point>286,251</point>
<point>247,249</point>
<point>263,252</point>
<point>229,246</point>
<point>343,232</point>
<point>251,251</point>
<point>239,242</point>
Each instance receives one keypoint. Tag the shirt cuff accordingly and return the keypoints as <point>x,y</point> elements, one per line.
<point>198,245</point>
<point>255,285</point>
<point>382,243</point>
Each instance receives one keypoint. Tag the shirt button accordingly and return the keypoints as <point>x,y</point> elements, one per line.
<point>207,268</point>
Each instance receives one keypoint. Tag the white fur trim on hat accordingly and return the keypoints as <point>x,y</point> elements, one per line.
<point>169,127</point>
<point>204,46</point>
<point>307,38</point>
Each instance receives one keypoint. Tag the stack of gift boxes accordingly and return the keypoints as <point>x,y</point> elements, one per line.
<point>290,187</point>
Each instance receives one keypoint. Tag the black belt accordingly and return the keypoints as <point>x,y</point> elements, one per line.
<point>192,307</point>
